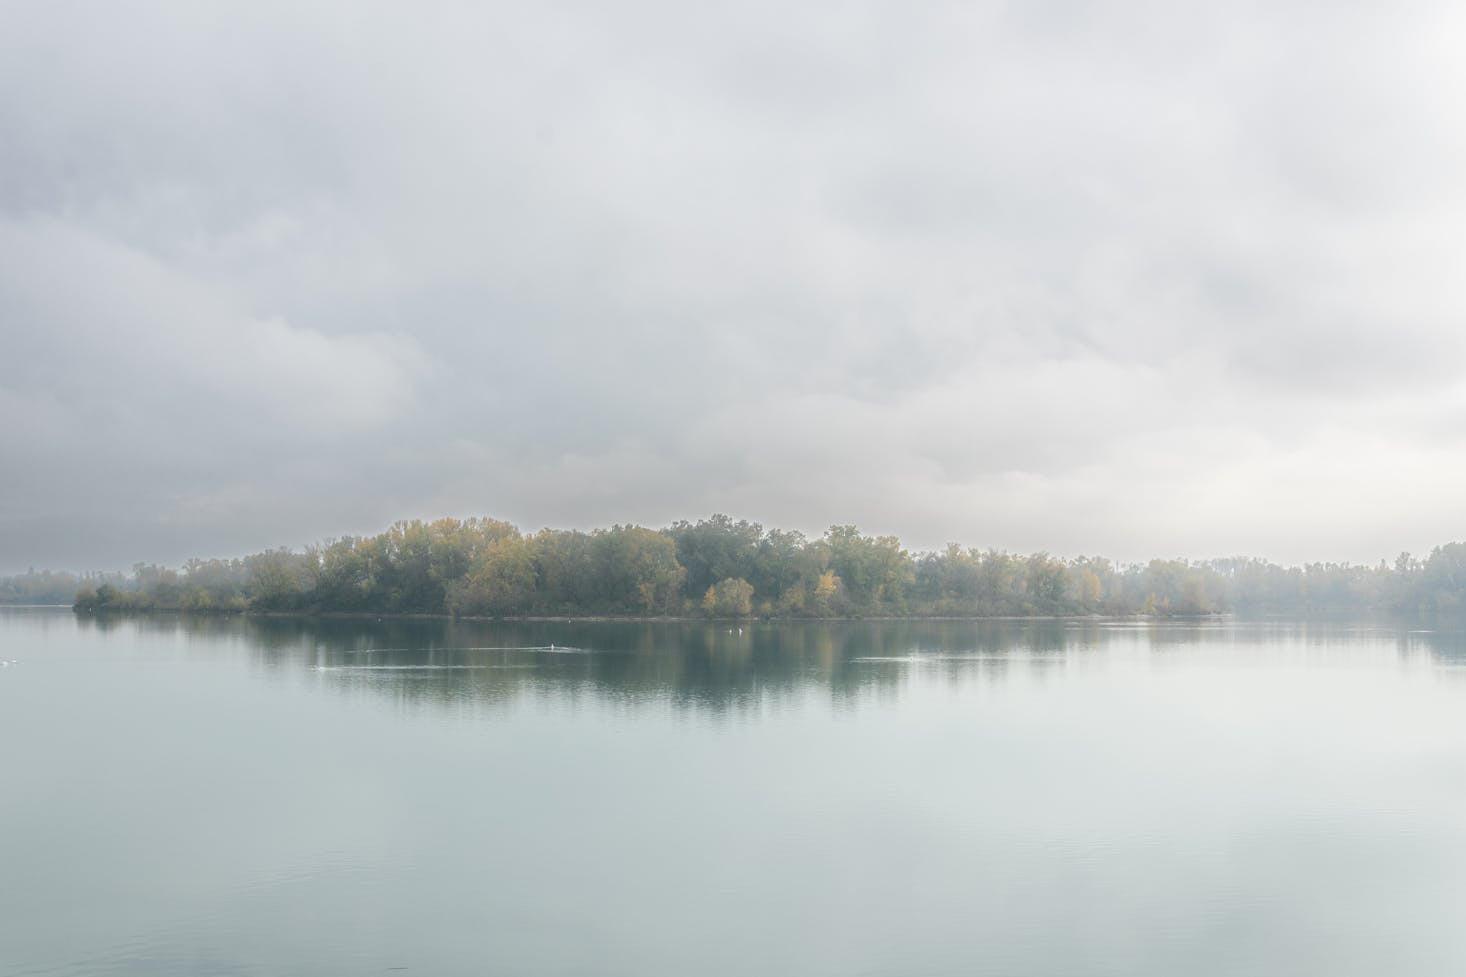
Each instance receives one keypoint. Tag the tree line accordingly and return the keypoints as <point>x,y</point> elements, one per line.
<point>55,586</point>
<point>719,567</point>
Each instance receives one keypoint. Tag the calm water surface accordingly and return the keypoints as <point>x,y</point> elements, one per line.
<point>263,797</point>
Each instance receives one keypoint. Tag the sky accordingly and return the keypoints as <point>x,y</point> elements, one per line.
<point>1132,278</point>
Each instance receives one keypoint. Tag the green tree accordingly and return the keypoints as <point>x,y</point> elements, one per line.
<point>637,569</point>
<point>716,548</point>
<point>502,580</point>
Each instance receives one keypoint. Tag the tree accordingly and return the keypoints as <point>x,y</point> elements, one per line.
<point>875,571</point>
<point>569,580</point>
<point>829,592</point>
<point>729,598</point>
<point>715,549</point>
<point>502,580</point>
<point>1045,581</point>
<point>637,568</point>
<point>277,581</point>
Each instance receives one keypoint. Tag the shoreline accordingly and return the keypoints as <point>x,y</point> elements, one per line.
<point>627,619</point>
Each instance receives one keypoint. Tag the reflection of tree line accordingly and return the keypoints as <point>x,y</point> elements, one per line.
<point>701,666</point>
<point>708,666</point>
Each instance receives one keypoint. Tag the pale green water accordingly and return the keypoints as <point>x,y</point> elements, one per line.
<point>241,797</point>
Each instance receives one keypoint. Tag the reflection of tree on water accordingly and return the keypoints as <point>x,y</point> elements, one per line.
<point>1444,641</point>
<point>696,666</point>
<point>701,666</point>
<point>712,667</point>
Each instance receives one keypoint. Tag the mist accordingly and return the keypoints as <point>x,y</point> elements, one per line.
<point>1140,281</point>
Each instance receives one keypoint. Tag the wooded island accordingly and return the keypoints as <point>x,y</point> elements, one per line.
<point>720,567</point>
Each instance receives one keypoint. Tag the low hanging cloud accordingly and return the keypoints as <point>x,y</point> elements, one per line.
<point>112,333</point>
<point>1131,279</point>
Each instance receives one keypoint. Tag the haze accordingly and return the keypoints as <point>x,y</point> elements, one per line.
<point>1132,278</point>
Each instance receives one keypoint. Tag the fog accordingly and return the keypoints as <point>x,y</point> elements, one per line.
<point>1129,278</point>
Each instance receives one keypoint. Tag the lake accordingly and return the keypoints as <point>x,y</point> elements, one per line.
<point>228,796</point>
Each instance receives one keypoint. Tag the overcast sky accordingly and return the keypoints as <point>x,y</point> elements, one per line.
<point>1134,278</point>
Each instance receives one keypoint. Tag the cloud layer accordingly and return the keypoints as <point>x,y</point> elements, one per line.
<point>1132,278</point>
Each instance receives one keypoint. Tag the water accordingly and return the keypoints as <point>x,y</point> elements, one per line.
<point>262,797</point>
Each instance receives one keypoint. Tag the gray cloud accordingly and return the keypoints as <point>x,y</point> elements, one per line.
<point>1133,278</point>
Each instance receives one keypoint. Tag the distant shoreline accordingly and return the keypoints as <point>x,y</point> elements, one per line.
<point>618,618</point>
<point>725,570</point>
